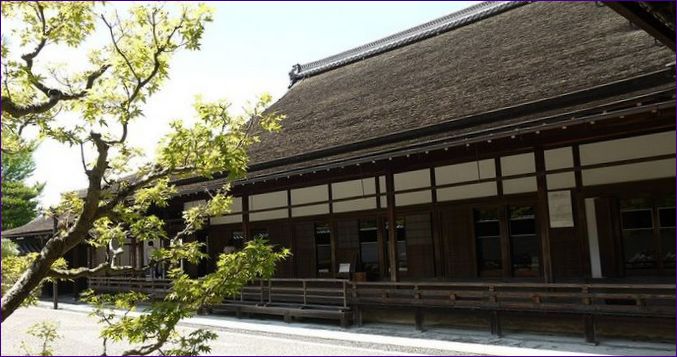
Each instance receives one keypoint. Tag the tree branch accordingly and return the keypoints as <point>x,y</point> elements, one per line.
<point>117,48</point>
<point>84,272</point>
<point>55,96</point>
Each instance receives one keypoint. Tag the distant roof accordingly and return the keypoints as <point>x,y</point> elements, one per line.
<point>38,226</point>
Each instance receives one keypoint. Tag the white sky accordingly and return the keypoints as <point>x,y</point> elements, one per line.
<point>248,49</point>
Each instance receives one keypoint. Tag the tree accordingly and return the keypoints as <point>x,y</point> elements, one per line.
<point>107,100</point>
<point>19,204</point>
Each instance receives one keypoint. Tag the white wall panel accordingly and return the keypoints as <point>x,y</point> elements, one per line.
<point>268,215</point>
<point>518,164</point>
<point>355,205</point>
<point>525,184</point>
<point>354,188</point>
<point>235,218</point>
<point>630,172</point>
<point>593,238</point>
<point>268,200</point>
<point>484,189</point>
<point>382,184</point>
<point>310,194</point>
<point>628,148</point>
<point>236,206</point>
<point>310,210</point>
<point>561,180</point>
<point>191,204</point>
<point>560,158</point>
<point>464,172</point>
<point>413,198</point>
<point>412,179</point>
<point>384,201</point>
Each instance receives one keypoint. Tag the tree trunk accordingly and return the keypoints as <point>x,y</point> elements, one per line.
<point>32,277</point>
<point>57,246</point>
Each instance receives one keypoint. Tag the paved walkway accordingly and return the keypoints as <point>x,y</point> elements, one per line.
<point>274,337</point>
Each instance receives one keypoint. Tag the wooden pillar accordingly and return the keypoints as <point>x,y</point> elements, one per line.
<point>436,225</point>
<point>495,324</point>
<point>506,259</point>
<point>332,233</point>
<point>580,220</point>
<point>55,294</point>
<point>245,217</point>
<point>392,227</point>
<point>55,283</point>
<point>292,238</point>
<point>139,254</point>
<point>379,231</point>
<point>132,252</point>
<point>418,317</point>
<point>543,215</point>
<point>589,326</point>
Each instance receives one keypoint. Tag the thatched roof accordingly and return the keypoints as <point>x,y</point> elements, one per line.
<point>528,53</point>
<point>442,77</point>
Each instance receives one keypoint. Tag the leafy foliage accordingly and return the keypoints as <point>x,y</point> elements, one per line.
<point>9,248</point>
<point>157,325</point>
<point>118,204</point>
<point>19,204</point>
<point>13,265</point>
<point>46,331</point>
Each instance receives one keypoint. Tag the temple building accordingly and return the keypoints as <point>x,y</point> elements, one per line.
<point>505,141</point>
<point>530,144</point>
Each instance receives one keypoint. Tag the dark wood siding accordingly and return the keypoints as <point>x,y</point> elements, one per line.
<point>347,242</point>
<point>218,238</point>
<point>606,231</point>
<point>566,257</point>
<point>280,237</point>
<point>459,242</point>
<point>420,254</point>
<point>304,256</point>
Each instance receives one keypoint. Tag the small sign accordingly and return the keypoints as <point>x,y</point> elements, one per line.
<point>560,209</point>
<point>344,268</point>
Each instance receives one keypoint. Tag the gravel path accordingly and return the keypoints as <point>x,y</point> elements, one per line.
<point>80,337</point>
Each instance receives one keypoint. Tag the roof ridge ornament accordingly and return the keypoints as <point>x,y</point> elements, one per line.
<point>294,74</point>
<point>417,33</point>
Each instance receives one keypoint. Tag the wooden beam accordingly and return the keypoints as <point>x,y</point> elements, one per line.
<point>392,227</point>
<point>643,19</point>
<point>543,215</point>
<point>245,216</point>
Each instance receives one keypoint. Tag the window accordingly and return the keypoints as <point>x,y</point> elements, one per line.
<point>237,239</point>
<point>666,226</point>
<point>648,234</point>
<point>260,233</point>
<point>369,246</point>
<point>638,245</point>
<point>522,238</point>
<point>488,238</point>
<point>524,244</point>
<point>323,248</point>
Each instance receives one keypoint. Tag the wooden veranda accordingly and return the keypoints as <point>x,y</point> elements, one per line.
<point>345,300</point>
